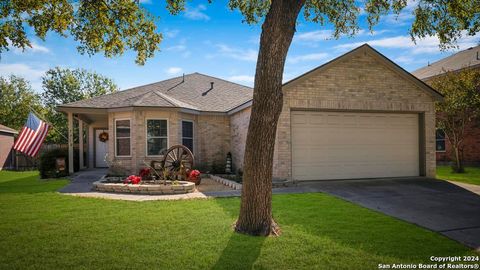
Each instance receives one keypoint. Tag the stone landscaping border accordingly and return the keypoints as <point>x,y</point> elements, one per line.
<point>150,189</point>
<point>226,182</point>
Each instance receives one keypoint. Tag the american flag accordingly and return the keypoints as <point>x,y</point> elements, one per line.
<point>32,135</point>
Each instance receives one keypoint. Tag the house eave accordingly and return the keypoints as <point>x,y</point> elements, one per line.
<point>86,110</point>
<point>8,131</point>
<point>240,107</point>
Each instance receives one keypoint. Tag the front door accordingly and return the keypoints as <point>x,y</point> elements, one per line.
<point>101,150</point>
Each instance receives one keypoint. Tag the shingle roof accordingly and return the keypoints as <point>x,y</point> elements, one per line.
<point>7,129</point>
<point>191,92</point>
<point>467,58</point>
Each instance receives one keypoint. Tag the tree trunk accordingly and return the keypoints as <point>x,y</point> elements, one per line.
<point>458,167</point>
<point>277,32</point>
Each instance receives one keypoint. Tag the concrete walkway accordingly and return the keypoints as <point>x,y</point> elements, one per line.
<point>82,181</point>
<point>441,206</point>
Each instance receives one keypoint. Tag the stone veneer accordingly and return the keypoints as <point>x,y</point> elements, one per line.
<point>151,189</point>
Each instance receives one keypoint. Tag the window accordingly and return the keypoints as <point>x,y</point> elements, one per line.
<point>122,137</point>
<point>440,138</point>
<point>187,134</point>
<point>157,136</point>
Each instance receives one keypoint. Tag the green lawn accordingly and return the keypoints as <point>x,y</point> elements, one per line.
<point>471,175</point>
<point>41,229</point>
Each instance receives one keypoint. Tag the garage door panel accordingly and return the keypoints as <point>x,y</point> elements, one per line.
<point>342,145</point>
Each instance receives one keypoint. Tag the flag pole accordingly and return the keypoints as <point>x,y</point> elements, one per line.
<point>52,126</point>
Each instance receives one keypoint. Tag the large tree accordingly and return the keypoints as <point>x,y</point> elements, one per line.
<point>61,85</point>
<point>460,109</point>
<point>17,99</point>
<point>110,25</point>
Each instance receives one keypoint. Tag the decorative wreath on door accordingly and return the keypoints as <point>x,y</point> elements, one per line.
<point>103,137</point>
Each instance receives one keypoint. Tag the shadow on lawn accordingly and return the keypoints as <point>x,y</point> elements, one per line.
<point>341,227</point>
<point>31,184</point>
<point>241,252</point>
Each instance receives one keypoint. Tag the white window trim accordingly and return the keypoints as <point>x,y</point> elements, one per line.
<point>115,132</point>
<point>193,134</point>
<point>444,139</point>
<point>146,135</point>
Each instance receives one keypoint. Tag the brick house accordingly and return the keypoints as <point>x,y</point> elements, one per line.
<point>6,143</point>
<point>357,116</point>
<point>469,58</point>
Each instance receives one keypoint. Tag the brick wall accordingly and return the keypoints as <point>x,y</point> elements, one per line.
<point>6,144</point>
<point>214,139</point>
<point>357,82</point>
<point>238,129</point>
<point>211,136</point>
<point>471,151</point>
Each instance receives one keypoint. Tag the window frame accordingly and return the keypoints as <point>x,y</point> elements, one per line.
<point>444,141</point>
<point>146,136</point>
<point>116,137</point>
<point>193,134</point>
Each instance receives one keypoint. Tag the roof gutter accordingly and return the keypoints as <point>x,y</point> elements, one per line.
<point>240,107</point>
<point>8,131</point>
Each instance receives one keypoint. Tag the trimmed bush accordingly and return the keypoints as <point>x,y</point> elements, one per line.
<point>47,163</point>
<point>218,168</point>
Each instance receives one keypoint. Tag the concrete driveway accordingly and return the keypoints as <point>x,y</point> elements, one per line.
<point>434,204</point>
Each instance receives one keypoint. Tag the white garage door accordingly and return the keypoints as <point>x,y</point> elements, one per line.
<point>341,145</point>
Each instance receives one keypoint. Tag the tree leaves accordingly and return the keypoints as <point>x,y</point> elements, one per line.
<point>342,14</point>
<point>446,19</point>
<point>113,26</point>
<point>460,108</point>
<point>63,86</point>
<point>108,26</point>
<point>461,93</point>
<point>17,99</point>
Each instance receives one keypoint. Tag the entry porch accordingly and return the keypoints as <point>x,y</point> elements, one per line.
<point>89,129</point>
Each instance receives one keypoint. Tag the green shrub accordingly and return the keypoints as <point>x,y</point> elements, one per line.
<point>47,163</point>
<point>115,169</point>
<point>218,168</point>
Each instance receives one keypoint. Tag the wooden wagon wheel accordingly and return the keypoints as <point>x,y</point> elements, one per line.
<point>177,156</point>
<point>158,165</point>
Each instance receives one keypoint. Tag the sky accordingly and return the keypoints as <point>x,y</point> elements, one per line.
<point>212,39</point>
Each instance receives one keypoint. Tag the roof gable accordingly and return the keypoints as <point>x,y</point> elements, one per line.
<point>377,56</point>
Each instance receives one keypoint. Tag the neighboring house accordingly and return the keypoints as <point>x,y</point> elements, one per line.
<point>357,116</point>
<point>470,59</point>
<point>6,143</point>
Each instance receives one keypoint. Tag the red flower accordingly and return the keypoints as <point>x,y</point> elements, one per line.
<point>194,174</point>
<point>133,179</point>
<point>144,172</point>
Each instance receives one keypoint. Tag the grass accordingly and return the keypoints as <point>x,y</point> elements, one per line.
<point>471,175</point>
<point>27,182</point>
<point>41,229</point>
